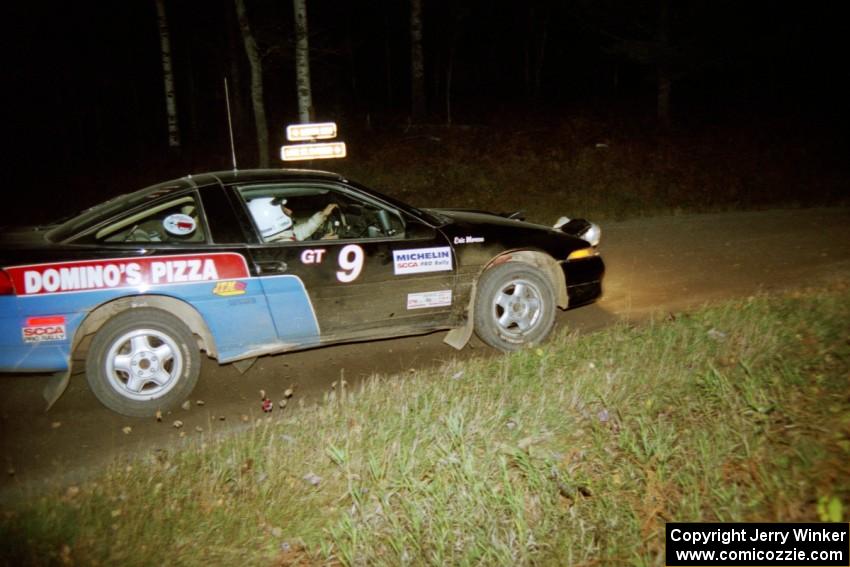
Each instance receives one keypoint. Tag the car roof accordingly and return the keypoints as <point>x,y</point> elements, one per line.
<point>119,202</point>
<point>254,175</point>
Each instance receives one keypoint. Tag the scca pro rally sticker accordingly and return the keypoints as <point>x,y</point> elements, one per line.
<point>42,329</point>
<point>119,273</point>
<point>420,260</point>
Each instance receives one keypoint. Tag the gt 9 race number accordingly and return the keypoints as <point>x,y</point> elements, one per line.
<point>350,263</point>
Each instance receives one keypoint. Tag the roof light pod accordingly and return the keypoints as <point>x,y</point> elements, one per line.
<point>311,133</point>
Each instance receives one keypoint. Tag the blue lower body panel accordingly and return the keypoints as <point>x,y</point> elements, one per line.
<point>37,332</point>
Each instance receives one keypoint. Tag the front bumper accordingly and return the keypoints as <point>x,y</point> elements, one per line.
<point>584,280</point>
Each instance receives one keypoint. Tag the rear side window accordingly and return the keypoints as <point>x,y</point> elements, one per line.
<point>174,220</point>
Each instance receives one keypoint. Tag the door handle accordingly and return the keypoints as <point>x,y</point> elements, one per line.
<point>272,267</point>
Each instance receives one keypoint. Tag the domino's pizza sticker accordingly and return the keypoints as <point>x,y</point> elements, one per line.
<point>427,299</point>
<point>117,273</point>
<point>422,260</point>
<point>179,224</point>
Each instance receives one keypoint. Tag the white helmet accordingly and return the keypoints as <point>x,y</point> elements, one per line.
<point>269,216</point>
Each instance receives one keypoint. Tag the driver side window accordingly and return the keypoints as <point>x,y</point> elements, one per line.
<point>283,213</point>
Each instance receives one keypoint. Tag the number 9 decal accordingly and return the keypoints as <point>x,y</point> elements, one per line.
<point>350,263</point>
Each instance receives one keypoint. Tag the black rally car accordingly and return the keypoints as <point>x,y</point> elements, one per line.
<point>246,263</point>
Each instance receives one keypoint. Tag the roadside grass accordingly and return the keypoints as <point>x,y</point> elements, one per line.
<point>576,452</point>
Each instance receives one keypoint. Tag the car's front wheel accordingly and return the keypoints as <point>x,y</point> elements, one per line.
<point>142,360</point>
<point>514,306</point>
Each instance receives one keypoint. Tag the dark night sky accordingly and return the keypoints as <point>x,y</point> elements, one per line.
<point>84,87</point>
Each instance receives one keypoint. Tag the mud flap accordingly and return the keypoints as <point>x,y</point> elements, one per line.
<point>56,385</point>
<point>243,365</point>
<point>459,336</point>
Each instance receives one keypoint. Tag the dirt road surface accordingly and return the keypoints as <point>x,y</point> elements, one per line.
<point>665,264</point>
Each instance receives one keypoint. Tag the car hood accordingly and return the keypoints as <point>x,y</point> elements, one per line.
<point>477,217</point>
<point>574,227</point>
<point>494,232</point>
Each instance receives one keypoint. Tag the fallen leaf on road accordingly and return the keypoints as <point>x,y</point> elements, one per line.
<point>716,335</point>
<point>158,415</point>
<point>178,424</point>
<point>186,405</point>
<point>127,430</point>
<point>56,424</point>
<point>312,478</point>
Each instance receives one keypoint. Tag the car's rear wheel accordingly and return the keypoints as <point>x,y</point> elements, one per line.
<point>514,306</point>
<point>142,360</point>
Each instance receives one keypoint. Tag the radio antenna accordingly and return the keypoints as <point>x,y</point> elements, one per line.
<point>230,124</point>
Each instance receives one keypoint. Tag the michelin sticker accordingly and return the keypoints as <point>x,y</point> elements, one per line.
<point>427,299</point>
<point>421,260</point>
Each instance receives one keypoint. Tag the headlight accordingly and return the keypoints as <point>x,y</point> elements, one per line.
<point>592,234</point>
<point>580,228</point>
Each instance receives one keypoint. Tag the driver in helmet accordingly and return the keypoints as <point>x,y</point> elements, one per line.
<point>275,220</point>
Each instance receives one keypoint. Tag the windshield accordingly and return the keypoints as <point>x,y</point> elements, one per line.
<point>106,210</point>
<point>428,216</point>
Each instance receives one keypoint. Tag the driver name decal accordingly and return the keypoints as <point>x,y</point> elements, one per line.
<point>126,272</point>
<point>420,260</point>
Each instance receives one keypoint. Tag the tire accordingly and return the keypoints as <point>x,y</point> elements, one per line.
<point>142,360</point>
<point>514,306</point>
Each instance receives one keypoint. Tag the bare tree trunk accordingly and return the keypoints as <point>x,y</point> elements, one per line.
<point>302,63</point>
<point>256,84</point>
<point>168,76</point>
<point>417,61</point>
